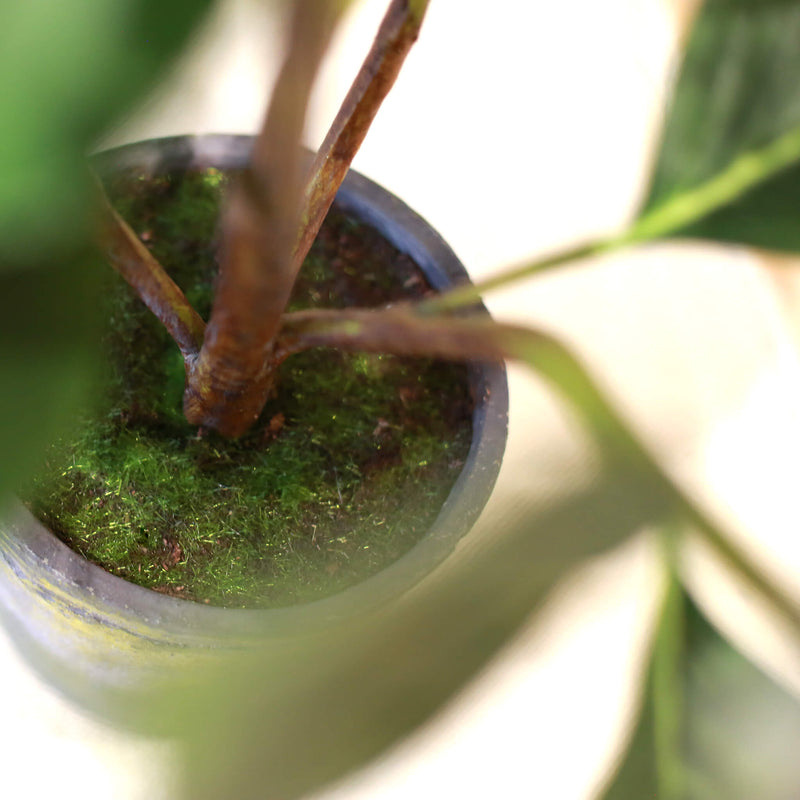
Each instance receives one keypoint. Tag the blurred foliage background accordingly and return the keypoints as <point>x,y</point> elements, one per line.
<point>711,724</point>
<point>68,71</point>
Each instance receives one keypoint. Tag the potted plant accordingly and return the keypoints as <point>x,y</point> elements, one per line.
<point>349,691</point>
<point>274,208</point>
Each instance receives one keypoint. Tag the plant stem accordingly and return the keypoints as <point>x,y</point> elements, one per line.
<point>129,256</point>
<point>397,33</point>
<point>234,372</point>
<point>398,331</point>
<point>667,219</point>
<point>470,294</point>
<point>667,688</point>
<point>262,251</point>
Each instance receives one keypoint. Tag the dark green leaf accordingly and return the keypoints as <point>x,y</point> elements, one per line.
<point>737,94</point>
<point>738,734</point>
<point>742,733</point>
<point>765,217</point>
<point>637,775</point>
<point>48,355</point>
<point>67,69</point>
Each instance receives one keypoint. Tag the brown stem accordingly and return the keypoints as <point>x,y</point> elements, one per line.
<point>144,273</point>
<point>232,377</point>
<point>397,33</point>
<point>398,331</point>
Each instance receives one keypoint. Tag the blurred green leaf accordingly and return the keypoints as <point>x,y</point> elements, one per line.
<point>737,733</point>
<point>281,725</point>
<point>48,355</point>
<point>346,695</point>
<point>652,765</point>
<point>736,97</point>
<point>637,775</point>
<point>67,69</point>
<point>742,732</point>
<point>299,716</point>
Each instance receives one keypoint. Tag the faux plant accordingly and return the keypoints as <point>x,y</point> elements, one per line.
<point>728,169</point>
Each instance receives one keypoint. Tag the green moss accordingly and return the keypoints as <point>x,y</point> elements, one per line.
<point>343,473</point>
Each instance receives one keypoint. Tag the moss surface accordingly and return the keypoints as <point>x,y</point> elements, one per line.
<point>344,472</point>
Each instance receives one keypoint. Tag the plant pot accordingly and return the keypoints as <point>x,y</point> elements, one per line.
<point>100,639</point>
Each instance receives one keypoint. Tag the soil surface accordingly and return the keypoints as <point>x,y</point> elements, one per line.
<point>344,472</point>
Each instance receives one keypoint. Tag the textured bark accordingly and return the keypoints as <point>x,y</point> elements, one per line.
<point>230,364</point>
<point>233,375</point>
<point>397,33</point>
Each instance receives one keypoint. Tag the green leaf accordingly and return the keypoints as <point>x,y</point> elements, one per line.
<point>307,716</point>
<point>67,69</point>
<point>728,167</point>
<point>48,356</point>
<point>652,765</point>
<point>348,693</point>
<point>765,217</point>
<point>734,732</point>
<point>637,775</point>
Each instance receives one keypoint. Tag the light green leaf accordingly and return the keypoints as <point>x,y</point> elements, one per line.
<point>346,695</point>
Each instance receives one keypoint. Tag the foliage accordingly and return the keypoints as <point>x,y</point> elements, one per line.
<point>729,169</point>
<point>48,273</point>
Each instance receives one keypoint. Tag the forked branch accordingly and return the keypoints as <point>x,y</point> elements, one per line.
<point>262,249</point>
<point>234,373</point>
<point>270,220</point>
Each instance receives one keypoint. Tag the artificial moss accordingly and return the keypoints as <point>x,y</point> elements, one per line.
<point>345,470</point>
